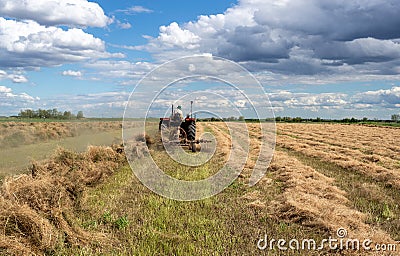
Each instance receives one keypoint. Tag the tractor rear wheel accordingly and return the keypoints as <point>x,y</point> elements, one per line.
<point>191,134</point>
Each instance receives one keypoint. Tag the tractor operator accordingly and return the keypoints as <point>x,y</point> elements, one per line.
<point>177,119</point>
<point>179,113</point>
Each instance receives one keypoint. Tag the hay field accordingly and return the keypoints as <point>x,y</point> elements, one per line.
<point>363,160</point>
<point>23,142</point>
<point>14,134</point>
<point>322,177</point>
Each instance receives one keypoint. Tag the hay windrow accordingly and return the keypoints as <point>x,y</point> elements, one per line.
<point>11,246</point>
<point>369,151</point>
<point>310,198</point>
<point>37,210</point>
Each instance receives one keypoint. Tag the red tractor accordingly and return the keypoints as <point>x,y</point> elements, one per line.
<point>180,131</point>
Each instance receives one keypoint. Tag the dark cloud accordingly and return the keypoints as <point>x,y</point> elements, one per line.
<point>334,19</point>
<point>265,47</point>
<point>303,37</point>
<point>359,51</point>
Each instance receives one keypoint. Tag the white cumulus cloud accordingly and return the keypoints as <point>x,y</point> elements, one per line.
<point>124,25</point>
<point>18,78</point>
<point>378,99</point>
<point>385,97</point>
<point>72,73</point>
<point>135,9</point>
<point>29,44</point>
<point>310,101</point>
<point>173,35</point>
<point>4,90</point>
<point>15,77</point>
<point>61,12</point>
<point>11,103</point>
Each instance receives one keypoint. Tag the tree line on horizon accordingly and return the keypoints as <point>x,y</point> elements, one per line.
<point>394,118</point>
<point>49,114</point>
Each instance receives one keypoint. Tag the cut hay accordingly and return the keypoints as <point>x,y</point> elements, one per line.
<point>369,151</point>
<point>20,220</point>
<point>144,138</point>
<point>14,134</point>
<point>37,211</point>
<point>311,199</point>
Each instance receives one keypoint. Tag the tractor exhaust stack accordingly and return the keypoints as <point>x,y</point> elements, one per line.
<point>191,109</point>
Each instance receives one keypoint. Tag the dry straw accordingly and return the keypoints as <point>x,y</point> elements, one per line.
<point>37,211</point>
<point>14,134</point>
<point>310,198</point>
<point>371,151</point>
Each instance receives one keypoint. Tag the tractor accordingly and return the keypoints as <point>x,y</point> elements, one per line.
<point>180,131</point>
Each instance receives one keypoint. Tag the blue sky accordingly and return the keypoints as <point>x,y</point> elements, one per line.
<point>330,59</point>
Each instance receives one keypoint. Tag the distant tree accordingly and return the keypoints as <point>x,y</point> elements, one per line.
<point>43,113</point>
<point>54,113</point>
<point>241,118</point>
<point>67,115</point>
<point>365,119</point>
<point>396,117</point>
<point>297,119</point>
<point>79,115</point>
